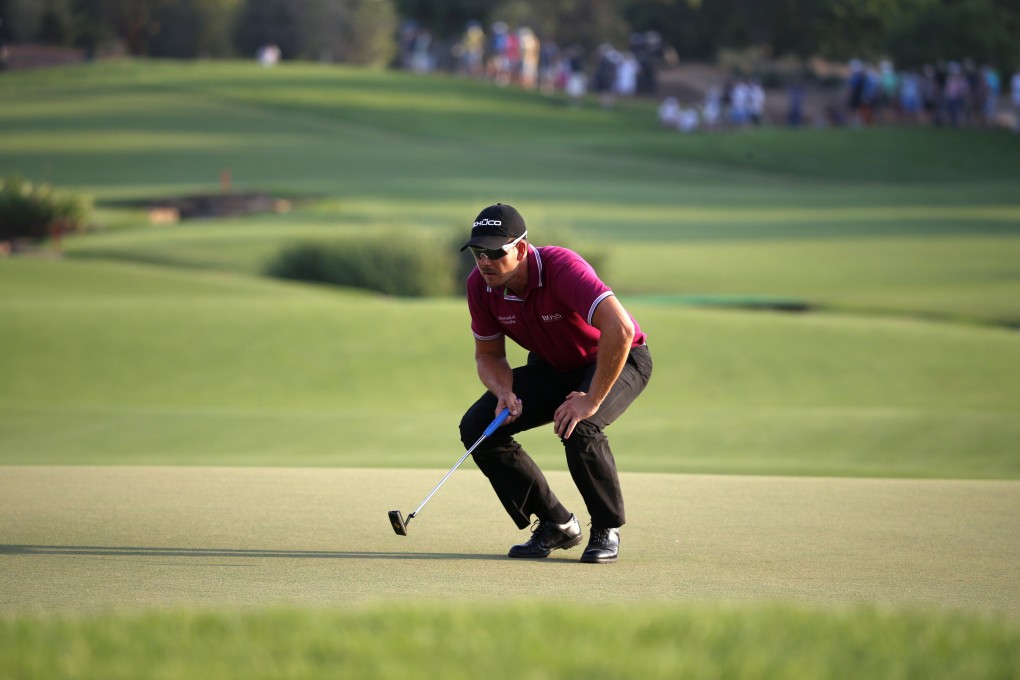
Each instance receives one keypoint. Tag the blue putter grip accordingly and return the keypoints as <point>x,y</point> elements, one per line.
<point>500,419</point>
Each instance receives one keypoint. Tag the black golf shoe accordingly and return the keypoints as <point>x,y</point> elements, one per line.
<point>547,537</point>
<point>603,546</point>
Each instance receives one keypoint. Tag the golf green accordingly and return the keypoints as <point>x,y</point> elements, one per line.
<point>88,539</point>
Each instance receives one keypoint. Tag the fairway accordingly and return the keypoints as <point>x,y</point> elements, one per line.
<point>113,538</point>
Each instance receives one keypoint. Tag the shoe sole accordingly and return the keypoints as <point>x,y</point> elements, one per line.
<point>566,546</point>
<point>598,560</point>
<point>573,542</point>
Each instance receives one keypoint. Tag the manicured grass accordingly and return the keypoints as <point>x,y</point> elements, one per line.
<point>232,101</point>
<point>90,539</point>
<point>950,277</point>
<point>212,365</point>
<point>165,366</point>
<point>954,277</point>
<point>905,220</point>
<point>519,641</point>
<point>276,572</point>
<point>163,345</point>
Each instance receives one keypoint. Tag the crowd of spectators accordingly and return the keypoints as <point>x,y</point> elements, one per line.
<point>950,94</point>
<point>518,56</point>
<point>738,104</point>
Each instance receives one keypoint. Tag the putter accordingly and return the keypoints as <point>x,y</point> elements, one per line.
<point>397,520</point>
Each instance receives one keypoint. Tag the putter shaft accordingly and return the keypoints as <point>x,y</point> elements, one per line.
<point>399,523</point>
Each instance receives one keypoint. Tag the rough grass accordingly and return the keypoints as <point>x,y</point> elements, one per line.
<point>520,641</point>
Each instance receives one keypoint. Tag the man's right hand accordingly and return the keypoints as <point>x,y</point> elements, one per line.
<point>509,401</point>
<point>495,373</point>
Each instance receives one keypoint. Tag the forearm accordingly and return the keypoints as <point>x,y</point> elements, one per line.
<point>614,347</point>
<point>617,334</point>
<point>495,373</point>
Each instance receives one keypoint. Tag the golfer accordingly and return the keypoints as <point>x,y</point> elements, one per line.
<point>587,362</point>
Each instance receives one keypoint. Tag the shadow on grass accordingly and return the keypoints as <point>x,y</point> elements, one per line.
<point>112,551</point>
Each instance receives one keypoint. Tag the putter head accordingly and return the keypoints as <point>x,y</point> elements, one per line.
<point>398,523</point>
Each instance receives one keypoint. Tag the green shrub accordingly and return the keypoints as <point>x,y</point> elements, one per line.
<point>394,264</point>
<point>401,264</point>
<point>29,211</point>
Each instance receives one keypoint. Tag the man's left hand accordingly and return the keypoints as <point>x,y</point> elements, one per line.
<point>576,408</point>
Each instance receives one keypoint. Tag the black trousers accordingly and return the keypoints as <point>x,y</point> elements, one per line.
<point>516,479</point>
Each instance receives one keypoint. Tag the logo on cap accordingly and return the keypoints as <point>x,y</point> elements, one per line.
<point>488,223</point>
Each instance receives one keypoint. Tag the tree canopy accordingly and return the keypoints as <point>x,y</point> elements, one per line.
<point>910,32</point>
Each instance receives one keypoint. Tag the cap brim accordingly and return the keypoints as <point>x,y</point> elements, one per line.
<point>489,242</point>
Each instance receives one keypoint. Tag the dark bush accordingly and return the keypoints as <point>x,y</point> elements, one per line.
<point>36,212</point>
<point>401,264</point>
<point>394,264</point>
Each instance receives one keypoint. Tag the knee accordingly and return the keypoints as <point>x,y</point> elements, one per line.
<point>586,431</point>
<point>491,456</point>
<point>585,436</point>
<point>474,424</point>
<point>470,430</point>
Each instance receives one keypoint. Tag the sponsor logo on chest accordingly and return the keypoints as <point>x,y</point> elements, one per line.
<point>555,316</point>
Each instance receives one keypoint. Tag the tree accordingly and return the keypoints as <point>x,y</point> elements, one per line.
<point>362,31</point>
<point>5,26</point>
<point>134,21</point>
<point>92,28</point>
<point>968,29</point>
<point>352,31</point>
<point>446,18</point>
<point>178,31</point>
<point>269,22</point>
<point>194,28</point>
<point>217,17</point>
<point>21,20</point>
<point>679,22</point>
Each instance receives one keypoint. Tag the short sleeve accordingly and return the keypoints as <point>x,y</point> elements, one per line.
<point>484,325</point>
<point>579,287</point>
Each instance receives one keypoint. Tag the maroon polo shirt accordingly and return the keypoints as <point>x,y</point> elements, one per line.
<point>553,320</point>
